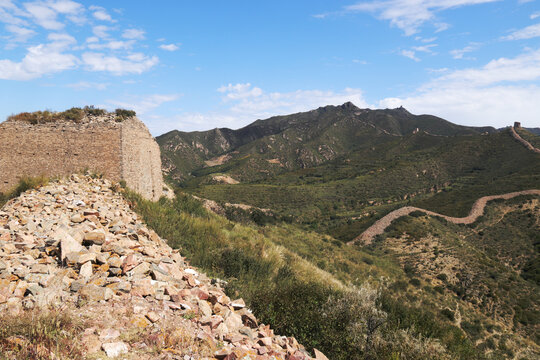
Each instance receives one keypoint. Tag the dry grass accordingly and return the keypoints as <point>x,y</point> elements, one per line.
<point>40,335</point>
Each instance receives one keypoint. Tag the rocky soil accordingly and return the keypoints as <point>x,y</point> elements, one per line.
<point>76,245</point>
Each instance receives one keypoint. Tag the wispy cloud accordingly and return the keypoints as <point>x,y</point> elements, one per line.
<point>105,51</point>
<point>100,13</point>
<point>84,85</point>
<point>246,103</point>
<point>425,48</point>
<point>137,34</point>
<point>144,104</point>
<point>169,47</point>
<point>239,91</point>
<point>460,53</point>
<point>39,60</point>
<point>496,93</point>
<point>358,61</point>
<point>408,15</point>
<point>526,33</point>
<point>135,63</point>
<point>46,13</point>
<point>409,54</point>
<point>253,102</point>
<point>20,34</point>
<point>535,15</point>
<point>101,31</point>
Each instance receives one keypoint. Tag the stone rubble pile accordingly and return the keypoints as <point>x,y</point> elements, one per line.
<point>76,243</point>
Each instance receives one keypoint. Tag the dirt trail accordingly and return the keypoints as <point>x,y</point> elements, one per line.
<point>477,210</point>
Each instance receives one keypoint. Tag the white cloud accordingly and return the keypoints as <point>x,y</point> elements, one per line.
<point>43,15</point>
<point>251,105</point>
<point>143,105</point>
<point>495,94</point>
<point>61,38</point>
<point>133,34</point>
<point>525,33</point>
<point>425,48</point>
<point>11,14</point>
<point>92,39</point>
<point>135,63</point>
<point>525,67</point>
<point>65,6</point>
<point>112,45</point>
<point>84,85</point>
<point>409,54</point>
<point>459,53</point>
<point>61,51</point>
<point>39,60</point>
<point>239,91</point>
<point>20,34</point>
<point>535,15</point>
<point>169,47</point>
<point>252,102</point>
<point>440,27</point>
<point>425,40</point>
<point>100,13</point>
<point>409,15</point>
<point>101,31</point>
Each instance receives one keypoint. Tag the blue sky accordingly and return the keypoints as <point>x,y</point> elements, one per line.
<point>198,65</point>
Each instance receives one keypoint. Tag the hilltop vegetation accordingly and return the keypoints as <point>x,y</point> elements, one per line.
<point>75,114</point>
<point>530,136</point>
<point>284,143</point>
<point>346,195</point>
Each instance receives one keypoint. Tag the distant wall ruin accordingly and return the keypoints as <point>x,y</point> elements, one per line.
<point>119,150</point>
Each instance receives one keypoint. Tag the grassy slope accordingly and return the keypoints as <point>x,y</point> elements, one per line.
<point>534,139</point>
<point>491,267</point>
<point>288,275</point>
<point>374,180</point>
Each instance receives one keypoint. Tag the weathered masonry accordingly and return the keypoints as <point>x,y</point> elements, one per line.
<point>119,150</point>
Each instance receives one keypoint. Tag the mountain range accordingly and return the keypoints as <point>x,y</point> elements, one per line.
<point>312,182</point>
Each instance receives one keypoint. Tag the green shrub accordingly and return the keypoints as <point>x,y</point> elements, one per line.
<point>75,114</point>
<point>123,114</point>
<point>442,277</point>
<point>93,111</point>
<point>449,314</point>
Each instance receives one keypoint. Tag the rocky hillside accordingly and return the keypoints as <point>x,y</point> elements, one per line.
<point>295,141</point>
<point>76,245</point>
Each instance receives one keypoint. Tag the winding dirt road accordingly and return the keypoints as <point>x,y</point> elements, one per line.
<point>477,210</point>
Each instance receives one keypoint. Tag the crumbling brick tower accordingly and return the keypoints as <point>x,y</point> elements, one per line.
<point>120,150</point>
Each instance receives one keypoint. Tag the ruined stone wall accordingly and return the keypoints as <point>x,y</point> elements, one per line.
<point>119,151</point>
<point>141,160</point>
<point>57,149</point>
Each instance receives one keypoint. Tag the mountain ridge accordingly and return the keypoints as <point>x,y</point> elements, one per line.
<point>314,137</point>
